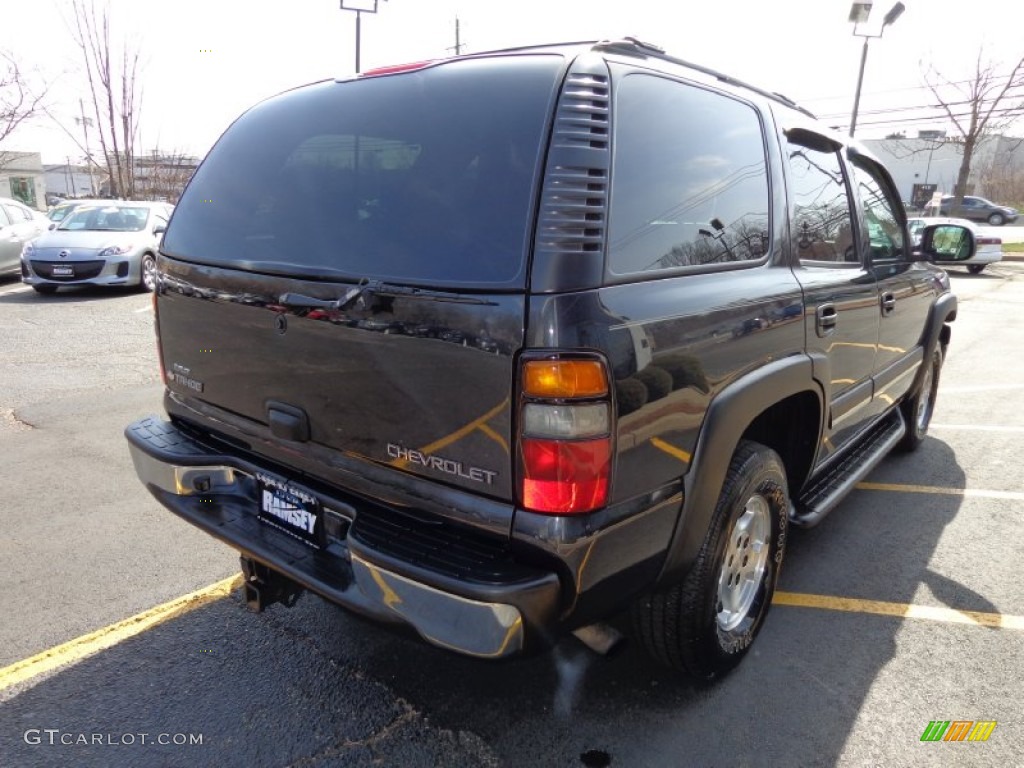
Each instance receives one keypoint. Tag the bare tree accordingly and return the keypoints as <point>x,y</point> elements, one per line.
<point>163,175</point>
<point>984,105</point>
<point>112,78</point>
<point>18,101</point>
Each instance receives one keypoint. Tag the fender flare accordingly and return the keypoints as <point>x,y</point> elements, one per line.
<point>729,415</point>
<point>942,311</point>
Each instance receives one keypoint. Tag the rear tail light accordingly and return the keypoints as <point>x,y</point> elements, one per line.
<point>565,443</point>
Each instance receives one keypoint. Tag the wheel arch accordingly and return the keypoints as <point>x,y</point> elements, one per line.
<point>779,405</point>
<point>937,331</point>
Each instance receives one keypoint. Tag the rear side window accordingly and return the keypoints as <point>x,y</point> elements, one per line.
<point>426,176</point>
<point>689,178</point>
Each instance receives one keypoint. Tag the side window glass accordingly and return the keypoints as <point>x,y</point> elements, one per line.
<point>885,234</point>
<point>689,178</point>
<point>822,227</point>
<point>4,218</point>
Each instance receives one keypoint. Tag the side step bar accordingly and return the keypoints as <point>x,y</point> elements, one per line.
<point>829,489</point>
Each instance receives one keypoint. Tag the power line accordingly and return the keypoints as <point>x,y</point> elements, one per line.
<point>995,79</point>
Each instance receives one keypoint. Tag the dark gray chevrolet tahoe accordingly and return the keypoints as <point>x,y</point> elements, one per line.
<point>502,346</point>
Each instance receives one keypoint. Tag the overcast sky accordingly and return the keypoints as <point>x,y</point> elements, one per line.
<point>206,61</point>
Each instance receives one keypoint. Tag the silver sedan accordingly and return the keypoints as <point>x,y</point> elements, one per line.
<point>111,243</point>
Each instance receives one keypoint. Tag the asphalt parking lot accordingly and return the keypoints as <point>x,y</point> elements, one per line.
<point>122,642</point>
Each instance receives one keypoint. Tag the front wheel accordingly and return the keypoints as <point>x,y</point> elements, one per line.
<point>147,279</point>
<point>917,411</point>
<point>704,625</point>
<point>997,219</point>
<point>975,269</point>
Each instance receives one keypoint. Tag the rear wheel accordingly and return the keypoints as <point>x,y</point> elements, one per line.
<point>917,411</point>
<point>704,625</point>
<point>46,290</point>
<point>975,269</point>
<point>997,219</point>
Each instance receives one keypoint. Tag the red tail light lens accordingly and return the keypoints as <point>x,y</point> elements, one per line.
<point>565,477</point>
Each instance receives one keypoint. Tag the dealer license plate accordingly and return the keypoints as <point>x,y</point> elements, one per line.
<point>289,508</point>
<point>63,272</point>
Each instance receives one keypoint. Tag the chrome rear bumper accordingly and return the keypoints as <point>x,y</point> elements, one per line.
<point>216,493</point>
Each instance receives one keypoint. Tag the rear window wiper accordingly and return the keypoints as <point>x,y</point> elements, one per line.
<point>363,294</point>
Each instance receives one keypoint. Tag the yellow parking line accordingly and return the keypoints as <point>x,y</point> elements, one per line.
<point>938,490</point>
<point>976,427</point>
<point>86,645</point>
<point>671,450</point>
<point>902,610</point>
<point>458,434</point>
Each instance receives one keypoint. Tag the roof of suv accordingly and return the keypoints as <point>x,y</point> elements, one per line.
<point>626,46</point>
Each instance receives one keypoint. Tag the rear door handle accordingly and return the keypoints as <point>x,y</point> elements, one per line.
<point>826,318</point>
<point>888,303</point>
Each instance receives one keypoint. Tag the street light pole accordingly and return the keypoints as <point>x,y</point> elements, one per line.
<point>359,7</point>
<point>859,12</point>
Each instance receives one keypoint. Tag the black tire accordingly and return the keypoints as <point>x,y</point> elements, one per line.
<point>917,410</point>
<point>997,219</point>
<point>975,269</point>
<point>688,626</point>
<point>46,290</point>
<point>147,272</point>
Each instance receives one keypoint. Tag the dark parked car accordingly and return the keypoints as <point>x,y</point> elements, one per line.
<point>978,209</point>
<point>613,215</point>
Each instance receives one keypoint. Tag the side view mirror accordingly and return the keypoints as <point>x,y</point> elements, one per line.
<point>53,225</point>
<point>947,243</point>
<point>159,229</point>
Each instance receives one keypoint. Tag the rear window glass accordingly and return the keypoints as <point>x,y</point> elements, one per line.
<point>424,177</point>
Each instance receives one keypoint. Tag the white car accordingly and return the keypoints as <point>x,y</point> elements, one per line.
<point>19,224</point>
<point>988,250</point>
<point>110,243</point>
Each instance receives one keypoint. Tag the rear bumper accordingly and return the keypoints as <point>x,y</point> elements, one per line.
<point>479,604</point>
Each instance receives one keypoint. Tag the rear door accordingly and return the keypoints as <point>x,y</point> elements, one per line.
<point>348,267</point>
<point>840,291</point>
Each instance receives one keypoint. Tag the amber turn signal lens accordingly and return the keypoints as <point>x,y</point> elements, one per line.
<point>564,378</point>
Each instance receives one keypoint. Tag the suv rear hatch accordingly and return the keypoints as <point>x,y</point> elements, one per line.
<point>349,266</point>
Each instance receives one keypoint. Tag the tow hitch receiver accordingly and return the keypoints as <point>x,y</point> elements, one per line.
<point>264,587</point>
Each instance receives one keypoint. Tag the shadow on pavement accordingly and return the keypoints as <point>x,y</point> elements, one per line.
<point>315,686</point>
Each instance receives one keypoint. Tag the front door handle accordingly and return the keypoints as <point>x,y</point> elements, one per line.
<point>888,303</point>
<point>826,318</point>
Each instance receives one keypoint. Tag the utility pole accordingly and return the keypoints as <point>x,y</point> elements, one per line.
<point>86,122</point>
<point>459,45</point>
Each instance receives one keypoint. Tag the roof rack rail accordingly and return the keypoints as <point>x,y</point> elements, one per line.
<point>630,46</point>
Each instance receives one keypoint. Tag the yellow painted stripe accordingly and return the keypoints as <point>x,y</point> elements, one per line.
<point>86,645</point>
<point>902,610</point>
<point>458,434</point>
<point>977,427</point>
<point>671,450</point>
<point>494,436</point>
<point>940,491</point>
